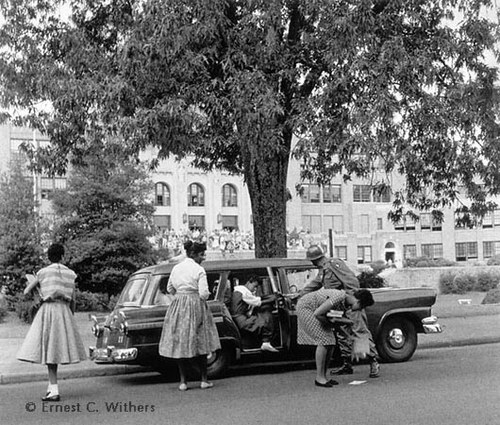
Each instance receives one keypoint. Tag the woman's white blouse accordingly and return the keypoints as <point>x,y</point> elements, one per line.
<point>188,276</point>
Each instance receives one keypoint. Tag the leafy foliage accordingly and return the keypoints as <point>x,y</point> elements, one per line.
<point>20,229</point>
<point>428,262</point>
<point>492,297</point>
<point>105,216</point>
<point>369,87</point>
<point>371,280</point>
<point>463,281</point>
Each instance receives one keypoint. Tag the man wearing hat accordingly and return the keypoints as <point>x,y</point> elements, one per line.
<point>335,274</point>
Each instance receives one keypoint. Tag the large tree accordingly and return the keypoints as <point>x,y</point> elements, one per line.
<point>365,85</point>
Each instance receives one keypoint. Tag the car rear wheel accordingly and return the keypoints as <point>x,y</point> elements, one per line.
<point>397,340</point>
<point>219,362</point>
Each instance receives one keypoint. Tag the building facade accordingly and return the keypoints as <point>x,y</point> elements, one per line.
<point>187,198</point>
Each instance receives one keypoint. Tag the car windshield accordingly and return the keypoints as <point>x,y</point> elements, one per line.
<point>133,292</point>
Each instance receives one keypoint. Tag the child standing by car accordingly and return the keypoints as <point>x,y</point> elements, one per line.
<point>53,337</point>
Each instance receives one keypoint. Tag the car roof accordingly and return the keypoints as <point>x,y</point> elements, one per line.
<point>233,264</point>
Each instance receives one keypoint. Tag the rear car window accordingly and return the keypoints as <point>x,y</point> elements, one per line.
<point>133,292</point>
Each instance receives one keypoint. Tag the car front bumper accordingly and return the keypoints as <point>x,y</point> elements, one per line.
<point>431,326</point>
<point>111,354</point>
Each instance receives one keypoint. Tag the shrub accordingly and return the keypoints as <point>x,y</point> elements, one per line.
<point>487,280</point>
<point>112,302</point>
<point>26,308</point>
<point>494,261</point>
<point>492,297</point>
<point>378,266</point>
<point>446,285</point>
<point>371,280</point>
<point>463,283</point>
<point>91,301</point>
<point>3,312</point>
<point>428,262</point>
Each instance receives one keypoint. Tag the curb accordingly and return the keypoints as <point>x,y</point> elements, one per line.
<point>19,378</point>
<point>461,343</point>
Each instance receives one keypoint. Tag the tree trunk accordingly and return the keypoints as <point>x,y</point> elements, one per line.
<point>266,177</point>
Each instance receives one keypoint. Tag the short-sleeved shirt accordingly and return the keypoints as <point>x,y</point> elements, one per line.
<point>188,277</point>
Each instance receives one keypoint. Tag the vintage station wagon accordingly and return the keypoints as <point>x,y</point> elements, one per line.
<point>130,334</point>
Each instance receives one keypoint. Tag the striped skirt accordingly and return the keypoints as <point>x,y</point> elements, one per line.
<point>53,337</point>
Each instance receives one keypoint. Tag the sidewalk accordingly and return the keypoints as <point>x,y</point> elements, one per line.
<point>462,325</point>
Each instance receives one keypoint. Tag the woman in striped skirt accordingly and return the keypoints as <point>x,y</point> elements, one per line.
<point>53,337</point>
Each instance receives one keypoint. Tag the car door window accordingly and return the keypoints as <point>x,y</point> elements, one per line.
<point>161,296</point>
<point>298,278</point>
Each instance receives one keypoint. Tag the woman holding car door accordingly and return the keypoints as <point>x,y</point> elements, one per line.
<point>189,331</point>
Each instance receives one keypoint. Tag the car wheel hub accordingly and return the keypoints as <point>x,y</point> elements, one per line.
<point>396,338</point>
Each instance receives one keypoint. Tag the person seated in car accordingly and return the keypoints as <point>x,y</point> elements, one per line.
<point>249,314</point>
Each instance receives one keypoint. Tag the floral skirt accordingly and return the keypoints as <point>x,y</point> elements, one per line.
<point>189,329</point>
<point>53,337</point>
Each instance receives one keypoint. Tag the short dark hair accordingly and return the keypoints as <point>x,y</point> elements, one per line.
<point>365,298</point>
<point>55,252</point>
<point>254,278</point>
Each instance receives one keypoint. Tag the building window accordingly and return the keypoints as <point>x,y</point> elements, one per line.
<point>425,221</point>
<point>364,254</point>
<point>428,222</point>
<point>491,219</point>
<point>380,223</point>
<point>332,193</point>
<point>491,248</point>
<point>341,252</point>
<point>432,250</point>
<point>162,222</point>
<point>461,225</point>
<point>382,196</point>
<point>409,251</point>
<point>334,222</point>
<point>407,224</point>
<point>310,193</point>
<point>229,196</point>
<point>364,223</point>
<point>196,195</point>
<point>312,223</point>
<point>196,222</point>
<point>229,222</point>
<point>465,251</point>
<point>162,195</point>
<point>49,184</point>
<point>361,193</point>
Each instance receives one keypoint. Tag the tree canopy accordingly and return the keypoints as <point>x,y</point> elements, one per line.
<point>368,88</point>
<point>104,217</point>
<point>21,230</point>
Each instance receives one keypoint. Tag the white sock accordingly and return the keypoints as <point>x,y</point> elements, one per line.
<point>53,389</point>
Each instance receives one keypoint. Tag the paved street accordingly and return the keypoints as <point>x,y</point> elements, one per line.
<point>447,386</point>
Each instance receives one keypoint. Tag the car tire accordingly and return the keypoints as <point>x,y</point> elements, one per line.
<point>397,340</point>
<point>219,362</point>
